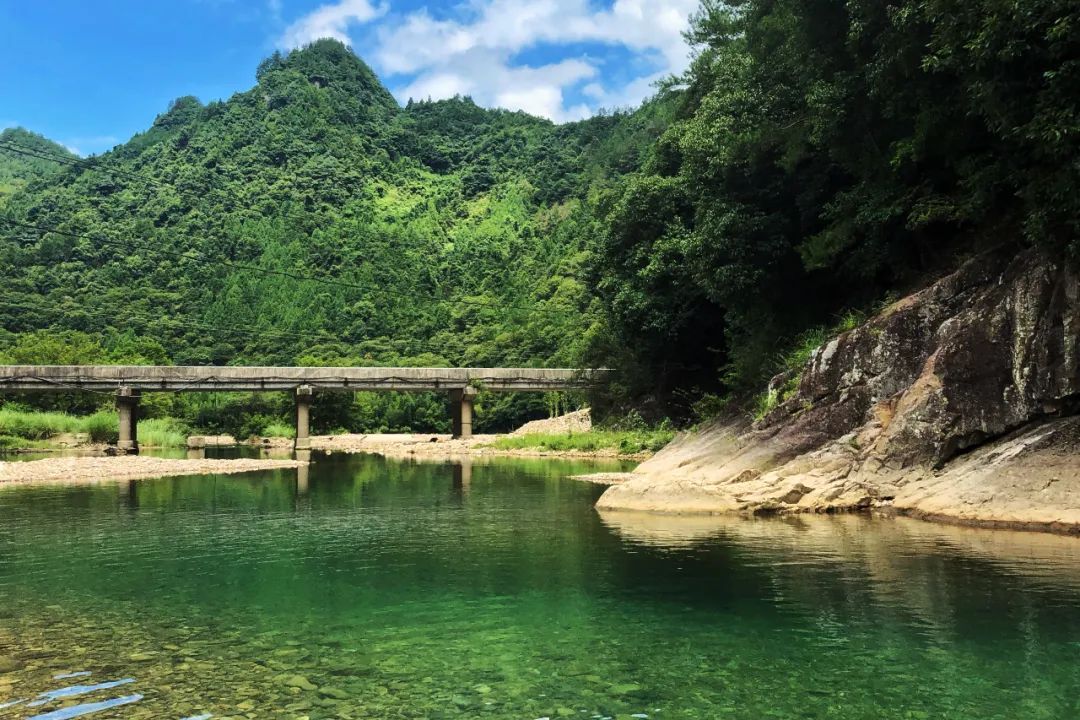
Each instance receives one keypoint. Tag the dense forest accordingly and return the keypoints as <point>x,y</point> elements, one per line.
<point>39,157</point>
<point>817,156</point>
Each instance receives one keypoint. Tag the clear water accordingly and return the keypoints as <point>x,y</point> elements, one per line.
<point>381,589</point>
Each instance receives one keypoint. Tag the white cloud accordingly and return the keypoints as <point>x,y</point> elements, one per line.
<point>488,79</point>
<point>477,53</point>
<point>429,50</point>
<point>330,21</point>
<point>513,25</point>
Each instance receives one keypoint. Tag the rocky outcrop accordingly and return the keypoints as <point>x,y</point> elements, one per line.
<point>959,402</point>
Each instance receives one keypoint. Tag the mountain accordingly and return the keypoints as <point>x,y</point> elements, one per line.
<point>312,219</point>
<point>19,170</point>
<point>430,220</point>
<point>814,161</point>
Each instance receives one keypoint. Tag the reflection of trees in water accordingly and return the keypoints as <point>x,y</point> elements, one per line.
<point>947,580</point>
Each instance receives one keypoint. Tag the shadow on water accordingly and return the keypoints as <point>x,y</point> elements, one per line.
<point>359,586</point>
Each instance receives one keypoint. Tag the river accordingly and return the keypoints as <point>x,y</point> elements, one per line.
<point>371,588</point>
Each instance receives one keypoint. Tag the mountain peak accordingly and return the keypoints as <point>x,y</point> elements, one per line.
<point>331,65</point>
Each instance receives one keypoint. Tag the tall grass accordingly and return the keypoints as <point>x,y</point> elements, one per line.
<point>162,433</point>
<point>279,430</point>
<point>101,427</point>
<point>36,425</point>
<point>629,442</point>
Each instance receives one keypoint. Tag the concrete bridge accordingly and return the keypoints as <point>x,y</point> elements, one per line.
<point>128,382</point>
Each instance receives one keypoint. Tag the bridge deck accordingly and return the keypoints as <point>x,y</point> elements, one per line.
<point>187,378</point>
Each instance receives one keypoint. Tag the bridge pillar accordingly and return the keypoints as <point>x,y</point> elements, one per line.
<point>303,418</point>
<point>303,472</point>
<point>127,403</point>
<point>461,407</point>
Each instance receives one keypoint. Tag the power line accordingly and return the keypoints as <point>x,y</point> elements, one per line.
<point>84,163</point>
<point>203,257</point>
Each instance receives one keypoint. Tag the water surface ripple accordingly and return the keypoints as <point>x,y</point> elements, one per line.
<point>370,588</point>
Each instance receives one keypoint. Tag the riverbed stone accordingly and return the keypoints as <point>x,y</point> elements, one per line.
<point>333,692</point>
<point>299,681</point>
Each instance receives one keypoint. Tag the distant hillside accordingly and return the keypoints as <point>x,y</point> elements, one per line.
<point>16,171</point>
<point>433,219</point>
<point>442,233</point>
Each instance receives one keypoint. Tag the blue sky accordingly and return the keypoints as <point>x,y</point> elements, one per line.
<point>92,74</point>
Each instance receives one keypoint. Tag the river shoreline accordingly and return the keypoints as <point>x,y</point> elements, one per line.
<point>389,445</point>
<point>92,463</point>
<point>88,469</point>
<point>434,446</point>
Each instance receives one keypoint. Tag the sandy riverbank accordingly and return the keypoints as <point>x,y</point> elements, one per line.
<point>105,469</point>
<point>443,446</point>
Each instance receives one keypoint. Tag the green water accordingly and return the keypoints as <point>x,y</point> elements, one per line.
<point>380,589</point>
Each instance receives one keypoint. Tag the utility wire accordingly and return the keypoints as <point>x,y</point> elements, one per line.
<point>84,163</point>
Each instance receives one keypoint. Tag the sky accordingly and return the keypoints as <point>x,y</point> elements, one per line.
<point>92,74</point>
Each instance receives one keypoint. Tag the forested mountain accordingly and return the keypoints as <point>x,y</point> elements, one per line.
<point>437,234</point>
<point>17,170</point>
<point>816,157</point>
<point>827,154</point>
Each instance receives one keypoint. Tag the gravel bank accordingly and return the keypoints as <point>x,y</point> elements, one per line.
<point>104,469</point>
<point>444,446</point>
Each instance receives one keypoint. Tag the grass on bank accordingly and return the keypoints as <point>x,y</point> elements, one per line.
<point>33,425</point>
<point>26,429</point>
<point>162,433</point>
<point>279,430</point>
<point>9,443</point>
<point>795,359</point>
<point>628,442</point>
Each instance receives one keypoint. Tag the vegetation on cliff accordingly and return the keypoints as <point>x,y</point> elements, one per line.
<point>824,154</point>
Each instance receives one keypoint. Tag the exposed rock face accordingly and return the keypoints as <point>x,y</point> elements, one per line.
<point>956,402</point>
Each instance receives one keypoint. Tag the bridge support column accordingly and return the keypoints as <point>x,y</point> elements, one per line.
<point>127,402</point>
<point>304,395</point>
<point>303,473</point>
<point>461,407</point>
<point>303,418</point>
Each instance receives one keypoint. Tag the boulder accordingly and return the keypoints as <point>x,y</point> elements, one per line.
<point>958,402</point>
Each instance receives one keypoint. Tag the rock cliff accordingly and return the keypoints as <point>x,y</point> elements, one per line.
<point>959,402</point>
